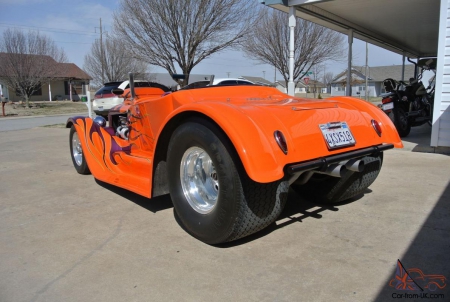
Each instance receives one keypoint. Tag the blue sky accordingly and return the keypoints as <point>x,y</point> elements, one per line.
<point>74,26</point>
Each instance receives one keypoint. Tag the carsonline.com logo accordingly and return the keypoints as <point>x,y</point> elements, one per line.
<point>413,282</point>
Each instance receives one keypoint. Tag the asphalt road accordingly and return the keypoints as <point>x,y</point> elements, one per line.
<point>20,123</point>
<point>66,237</point>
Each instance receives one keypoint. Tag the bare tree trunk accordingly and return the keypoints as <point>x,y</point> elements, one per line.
<point>182,32</point>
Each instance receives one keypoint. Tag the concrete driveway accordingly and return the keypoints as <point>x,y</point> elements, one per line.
<point>66,237</point>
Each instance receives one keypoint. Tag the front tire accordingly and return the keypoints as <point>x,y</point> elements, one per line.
<point>213,197</point>
<point>76,152</point>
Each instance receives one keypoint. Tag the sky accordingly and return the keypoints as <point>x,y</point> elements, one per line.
<point>74,26</point>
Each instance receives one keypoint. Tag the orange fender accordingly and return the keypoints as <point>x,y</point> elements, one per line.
<point>254,147</point>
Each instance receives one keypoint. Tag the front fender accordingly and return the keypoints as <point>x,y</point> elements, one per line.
<point>256,147</point>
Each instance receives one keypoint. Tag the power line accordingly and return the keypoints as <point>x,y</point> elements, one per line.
<point>49,29</point>
<point>73,42</point>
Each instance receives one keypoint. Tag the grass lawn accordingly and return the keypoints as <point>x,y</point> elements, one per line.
<point>44,108</point>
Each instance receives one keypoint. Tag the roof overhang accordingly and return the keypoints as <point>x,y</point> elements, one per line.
<point>408,27</point>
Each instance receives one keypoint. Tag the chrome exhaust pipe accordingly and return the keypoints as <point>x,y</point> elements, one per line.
<point>355,165</point>
<point>335,170</point>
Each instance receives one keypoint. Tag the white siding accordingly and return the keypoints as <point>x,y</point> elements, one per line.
<point>440,135</point>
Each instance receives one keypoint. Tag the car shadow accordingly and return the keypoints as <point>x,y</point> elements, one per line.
<point>154,205</point>
<point>297,209</point>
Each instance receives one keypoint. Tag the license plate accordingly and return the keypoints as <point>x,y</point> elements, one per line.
<point>100,108</point>
<point>388,106</point>
<point>337,135</point>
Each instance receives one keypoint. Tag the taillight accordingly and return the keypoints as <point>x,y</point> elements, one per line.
<point>386,100</point>
<point>281,141</point>
<point>377,127</point>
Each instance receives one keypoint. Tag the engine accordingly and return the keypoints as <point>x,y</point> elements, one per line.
<point>123,129</point>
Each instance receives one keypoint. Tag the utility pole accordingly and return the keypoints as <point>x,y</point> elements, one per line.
<point>367,74</point>
<point>228,73</point>
<point>101,50</point>
<point>275,77</point>
<point>264,73</point>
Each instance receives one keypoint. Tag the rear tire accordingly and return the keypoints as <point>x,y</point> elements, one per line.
<point>401,122</point>
<point>76,153</point>
<point>328,189</point>
<point>213,197</point>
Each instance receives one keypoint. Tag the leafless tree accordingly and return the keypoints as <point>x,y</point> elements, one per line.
<point>328,78</point>
<point>183,32</point>
<point>116,59</point>
<point>316,75</point>
<point>28,60</point>
<point>269,43</point>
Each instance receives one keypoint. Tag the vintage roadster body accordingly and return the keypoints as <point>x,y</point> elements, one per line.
<point>227,155</point>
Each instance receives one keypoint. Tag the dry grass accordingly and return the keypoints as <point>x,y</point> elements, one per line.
<point>44,108</point>
<point>310,95</point>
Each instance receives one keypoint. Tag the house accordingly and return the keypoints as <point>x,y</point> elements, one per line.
<point>301,87</point>
<point>317,87</point>
<point>66,82</point>
<point>376,76</point>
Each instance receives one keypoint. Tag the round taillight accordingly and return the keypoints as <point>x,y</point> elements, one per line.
<point>377,127</point>
<point>281,141</point>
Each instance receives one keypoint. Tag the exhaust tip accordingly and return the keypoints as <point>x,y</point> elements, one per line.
<point>336,170</point>
<point>355,165</point>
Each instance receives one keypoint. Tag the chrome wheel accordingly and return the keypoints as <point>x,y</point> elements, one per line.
<point>199,180</point>
<point>77,152</point>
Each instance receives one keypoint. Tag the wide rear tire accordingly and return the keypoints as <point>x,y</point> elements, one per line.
<point>401,122</point>
<point>328,190</point>
<point>213,197</point>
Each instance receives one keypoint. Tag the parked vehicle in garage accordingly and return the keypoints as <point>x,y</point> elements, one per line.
<point>228,154</point>
<point>104,99</point>
<point>410,105</point>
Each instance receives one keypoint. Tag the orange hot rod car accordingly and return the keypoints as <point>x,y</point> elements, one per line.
<point>228,155</point>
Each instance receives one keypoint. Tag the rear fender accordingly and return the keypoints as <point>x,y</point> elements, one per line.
<point>254,147</point>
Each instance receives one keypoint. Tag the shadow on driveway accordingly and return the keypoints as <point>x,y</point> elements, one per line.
<point>297,209</point>
<point>153,205</point>
<point>429,251</point>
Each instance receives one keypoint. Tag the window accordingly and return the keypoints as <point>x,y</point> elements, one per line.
<point>362,88</point>
<point>77,88</point>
